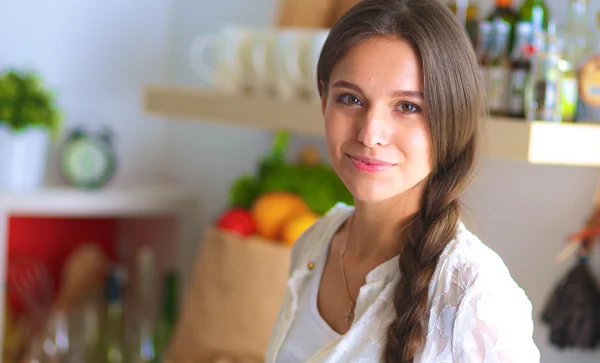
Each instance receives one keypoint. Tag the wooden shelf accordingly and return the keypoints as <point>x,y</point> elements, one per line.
<point>514,139</point>
<point>114,201</point>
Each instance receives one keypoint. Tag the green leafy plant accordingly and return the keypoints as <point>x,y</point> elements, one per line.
<point>26,103</point>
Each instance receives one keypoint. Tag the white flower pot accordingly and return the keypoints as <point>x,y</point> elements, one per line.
<point>23,158</point>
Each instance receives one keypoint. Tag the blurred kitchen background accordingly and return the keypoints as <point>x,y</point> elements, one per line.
<point>173,178</point>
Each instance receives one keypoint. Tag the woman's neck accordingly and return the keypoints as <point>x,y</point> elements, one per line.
<point>376,229</point>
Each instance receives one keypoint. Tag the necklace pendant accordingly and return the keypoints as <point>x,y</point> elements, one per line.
<point>349,316</point>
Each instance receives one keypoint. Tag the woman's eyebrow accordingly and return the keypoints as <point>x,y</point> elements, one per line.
<point>346,84</point>
<point>352,86</point>
<point>413,94</point>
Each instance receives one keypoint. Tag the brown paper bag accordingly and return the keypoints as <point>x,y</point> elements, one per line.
<point>232,301</point>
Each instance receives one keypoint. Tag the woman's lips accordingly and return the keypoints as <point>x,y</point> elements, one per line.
<point>369,165</point>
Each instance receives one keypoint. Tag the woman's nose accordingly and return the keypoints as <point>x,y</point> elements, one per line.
<point>374,128</point>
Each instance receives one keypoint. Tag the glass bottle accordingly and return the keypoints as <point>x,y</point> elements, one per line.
<point>92,329</point>
<point>577,36</point>
<point>577,32</point>
<point>483,47</point>
<point>589,82</point>
<point>519,70</point>
<point>542,94</point>
<point>168,318</point>
<point>114,337</point>
<point>535,12</point>
<point>505,13</point>
<point>498,63</point>
<point>145,349</point>
<point>467,13</point>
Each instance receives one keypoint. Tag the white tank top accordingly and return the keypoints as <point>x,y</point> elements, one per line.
<point>310,333</point>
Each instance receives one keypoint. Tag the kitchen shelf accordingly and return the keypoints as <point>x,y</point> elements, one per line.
<point>150,200</point>
<point>514,139</point>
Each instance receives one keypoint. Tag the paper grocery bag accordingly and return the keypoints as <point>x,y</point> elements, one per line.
<point>232,300</point>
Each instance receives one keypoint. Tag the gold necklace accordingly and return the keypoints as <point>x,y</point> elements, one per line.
<point>350,312</point>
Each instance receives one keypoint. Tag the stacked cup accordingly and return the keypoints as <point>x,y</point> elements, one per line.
<point>278,63</point>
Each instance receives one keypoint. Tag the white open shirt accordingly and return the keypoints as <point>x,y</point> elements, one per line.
<point>477,313</point>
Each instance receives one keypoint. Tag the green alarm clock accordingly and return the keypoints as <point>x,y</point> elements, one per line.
<point>87,158</point>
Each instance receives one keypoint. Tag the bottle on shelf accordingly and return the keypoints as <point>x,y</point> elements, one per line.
<point>542,94</point>
<point>535,12</point>
<point>144,344</point>
<point>483,47</point>
<point>520,66</point>
<point>467,13</point>
<point>504,12</point>
<point>578,37</point>
<point>168,318</point>
<point>589,82</point>
<point>91,329</point>
<point>113,335</point>
<point>498,69</point>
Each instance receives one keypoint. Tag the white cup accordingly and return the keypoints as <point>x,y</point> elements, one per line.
<point>231,48</point>
<point>315,46</point>
<point>290,55</point>
<point>261,77</point>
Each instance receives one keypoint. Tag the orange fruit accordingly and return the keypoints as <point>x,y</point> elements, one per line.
<point>272,210</point>
<point>293,228</point>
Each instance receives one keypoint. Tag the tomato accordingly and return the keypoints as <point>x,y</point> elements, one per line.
<point>237,220</point>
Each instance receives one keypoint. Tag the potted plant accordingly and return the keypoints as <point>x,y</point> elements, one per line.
<point>29,118</point>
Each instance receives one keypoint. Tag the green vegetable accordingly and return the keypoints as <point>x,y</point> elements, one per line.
<point>318,185</point>
<point>281,178</point>
<point>243,192</point>
<point>276,157</point>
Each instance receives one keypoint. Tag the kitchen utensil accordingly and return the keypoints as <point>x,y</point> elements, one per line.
<point>83,271</point>
<point>33,285</point>
<point>48,339</point>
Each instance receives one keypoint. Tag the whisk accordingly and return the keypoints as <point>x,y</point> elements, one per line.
<point>33,284</point>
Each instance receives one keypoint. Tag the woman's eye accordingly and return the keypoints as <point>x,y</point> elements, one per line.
<point>349,100</point>
<point>408,107</point>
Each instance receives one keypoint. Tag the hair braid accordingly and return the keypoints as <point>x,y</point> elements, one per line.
<point>426,238</point>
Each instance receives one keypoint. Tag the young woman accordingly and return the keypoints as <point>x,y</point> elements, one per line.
<point>398,278</point>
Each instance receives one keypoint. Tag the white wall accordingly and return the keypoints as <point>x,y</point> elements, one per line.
<point>97,55</point>
<point>522,211</point>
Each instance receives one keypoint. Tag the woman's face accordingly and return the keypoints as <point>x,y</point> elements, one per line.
<point>377,135</point>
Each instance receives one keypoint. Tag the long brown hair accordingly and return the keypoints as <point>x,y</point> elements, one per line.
<point>454,107</point>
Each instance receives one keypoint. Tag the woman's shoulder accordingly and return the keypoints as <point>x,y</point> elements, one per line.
<point>468,267</point>
<point>314,240</point>
<point>492,314</point>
